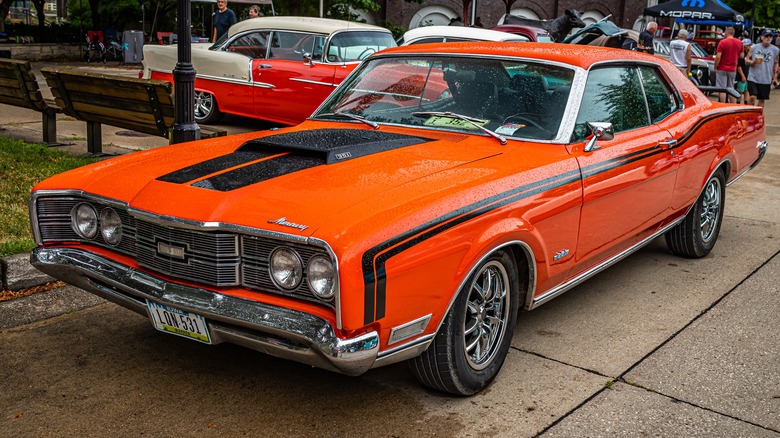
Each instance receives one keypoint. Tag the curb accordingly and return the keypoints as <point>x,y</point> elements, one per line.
<point>17,273</point>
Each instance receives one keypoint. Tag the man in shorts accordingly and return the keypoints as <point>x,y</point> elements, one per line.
<point>763,61</point>
<point>726,60</point>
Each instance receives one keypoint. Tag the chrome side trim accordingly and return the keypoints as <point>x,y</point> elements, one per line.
<point>761,146</point>
<point>278,331</point>
<point>314,82</point>
<point>404,352</point>
<point>560,289</point>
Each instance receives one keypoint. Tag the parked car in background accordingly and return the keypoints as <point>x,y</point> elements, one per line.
<point>535,34</point>
<point>272,68</point>
<point>439,190</point>
<point>448,34</point>
<point>708,40</point>
<point>698,56</point>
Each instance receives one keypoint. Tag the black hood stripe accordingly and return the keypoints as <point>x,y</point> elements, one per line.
<point>214,165</point>
<point>258,172</point>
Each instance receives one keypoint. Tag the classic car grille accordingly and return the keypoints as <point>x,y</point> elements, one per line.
<point>209,257</point>
<point>54,224</point>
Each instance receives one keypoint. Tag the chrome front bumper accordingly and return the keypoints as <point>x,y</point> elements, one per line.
<point>278,331</point>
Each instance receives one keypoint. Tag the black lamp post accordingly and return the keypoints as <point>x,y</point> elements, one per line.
<point>184,126</point>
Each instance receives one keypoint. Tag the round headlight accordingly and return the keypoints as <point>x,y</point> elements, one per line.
<point>286,268</point>
<point>84,220</point>
<point>321,276</point>
<point>110,226</point>
<point>698,73</point>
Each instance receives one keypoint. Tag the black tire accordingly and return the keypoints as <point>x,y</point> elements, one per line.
<point>461,361</point>
<point>206,108</point>
<point>696,235</point>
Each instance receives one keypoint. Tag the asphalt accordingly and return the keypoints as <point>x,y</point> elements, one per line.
<point>657,345</point>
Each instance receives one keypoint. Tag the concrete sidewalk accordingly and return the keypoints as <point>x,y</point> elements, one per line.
<point>657,345</point>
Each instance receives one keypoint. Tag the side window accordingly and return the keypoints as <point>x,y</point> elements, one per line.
<point>612,94</point>
<point>660,99</point>
<point>253,45</point>
<point>290,46</point>
<point>428,40</point>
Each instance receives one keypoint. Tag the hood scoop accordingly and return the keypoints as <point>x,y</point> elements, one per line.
<point>332,145</point>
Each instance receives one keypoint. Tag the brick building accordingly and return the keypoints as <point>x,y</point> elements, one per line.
<point>625,13</point>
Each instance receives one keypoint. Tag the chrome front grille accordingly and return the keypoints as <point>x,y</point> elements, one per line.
<point>209,258</point>
<point>215,258</point>
<point>54,223</point>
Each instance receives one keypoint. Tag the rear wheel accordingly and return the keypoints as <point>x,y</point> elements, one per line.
<point>473,341</point>
<point>206,108</point>
<point>696,235</point>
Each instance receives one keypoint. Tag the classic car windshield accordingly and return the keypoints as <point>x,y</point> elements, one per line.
<point>513,98</point>
<point>356,46</point>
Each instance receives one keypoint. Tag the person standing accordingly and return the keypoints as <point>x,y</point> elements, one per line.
<point>223,18</point>
<point>726,60</point>
<point>646,38</point>
<point>742,74</point>
<point>254,11</point>
<point>763,61</point>
<point>680,52</point>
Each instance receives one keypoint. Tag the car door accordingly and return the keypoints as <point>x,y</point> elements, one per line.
<point>628,182</point>
<point>288,88</point>
<point>229,73</point>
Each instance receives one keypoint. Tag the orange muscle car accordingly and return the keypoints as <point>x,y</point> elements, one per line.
<point>440,190</point>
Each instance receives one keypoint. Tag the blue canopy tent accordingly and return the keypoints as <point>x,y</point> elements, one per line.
<point>700,12</point>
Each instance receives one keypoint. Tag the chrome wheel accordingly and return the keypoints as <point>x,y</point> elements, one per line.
<point>710,209</point>
<point>696,235</point>
<point>486,315</point>
<point>206,108</point>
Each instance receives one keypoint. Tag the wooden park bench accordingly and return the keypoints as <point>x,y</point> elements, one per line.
<point>18,87</point>
<point>142,105</point>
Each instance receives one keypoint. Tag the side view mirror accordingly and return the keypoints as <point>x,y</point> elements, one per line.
<point>599,131</point>
<point>307,59</point>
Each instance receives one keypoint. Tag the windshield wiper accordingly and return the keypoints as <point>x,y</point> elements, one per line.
<point>472,120</point>
<point>350,116</point>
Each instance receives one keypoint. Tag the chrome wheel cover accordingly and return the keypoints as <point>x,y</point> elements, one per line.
<point>710,210</point>
<point>487,313</point>
<point>204,103</point>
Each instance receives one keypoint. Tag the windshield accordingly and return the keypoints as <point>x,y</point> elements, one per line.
<point>356,46</point>
<point>519,99</point>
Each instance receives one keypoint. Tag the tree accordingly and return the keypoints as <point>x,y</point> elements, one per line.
<point>767,11</point>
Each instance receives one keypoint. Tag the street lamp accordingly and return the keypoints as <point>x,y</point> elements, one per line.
<point>184,126</point>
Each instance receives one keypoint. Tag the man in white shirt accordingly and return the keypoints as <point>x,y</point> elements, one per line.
<point>680,52</point>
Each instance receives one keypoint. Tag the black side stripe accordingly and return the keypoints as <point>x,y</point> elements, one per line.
<point>374,259</point>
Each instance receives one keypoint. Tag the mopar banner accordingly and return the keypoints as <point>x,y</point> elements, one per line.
<point>704,10</point>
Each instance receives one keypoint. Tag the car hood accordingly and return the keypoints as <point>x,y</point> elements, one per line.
<point>592,31</point>
<point>293,176</point>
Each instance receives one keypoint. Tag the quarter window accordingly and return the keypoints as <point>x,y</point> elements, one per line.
<point>660,98</point>
<point>253,45</point>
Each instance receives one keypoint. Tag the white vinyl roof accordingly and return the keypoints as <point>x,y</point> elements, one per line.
<point>302,24</point>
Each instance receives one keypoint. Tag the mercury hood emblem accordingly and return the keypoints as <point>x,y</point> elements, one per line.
<point>285,223</point>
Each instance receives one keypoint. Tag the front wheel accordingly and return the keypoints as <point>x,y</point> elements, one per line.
<point>206,108</point>
<point>473,341</point>
<point>696,235</point>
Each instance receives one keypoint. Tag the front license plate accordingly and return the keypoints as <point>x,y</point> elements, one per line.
<point>178,322</point>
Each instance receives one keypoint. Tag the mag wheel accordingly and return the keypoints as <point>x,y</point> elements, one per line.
<point>473,341</point>
<point>206,108</point>
<point>696,235</point>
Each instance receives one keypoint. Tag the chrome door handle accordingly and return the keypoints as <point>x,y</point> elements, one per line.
<point>668,144</point>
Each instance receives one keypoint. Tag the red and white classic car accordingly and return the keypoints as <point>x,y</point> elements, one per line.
<point>272,68</point>
<point>439,191</point>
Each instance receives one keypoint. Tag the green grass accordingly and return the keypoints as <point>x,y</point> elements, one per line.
<point>22,165</point>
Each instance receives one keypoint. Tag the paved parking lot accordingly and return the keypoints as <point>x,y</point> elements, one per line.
<point>656,345</point>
